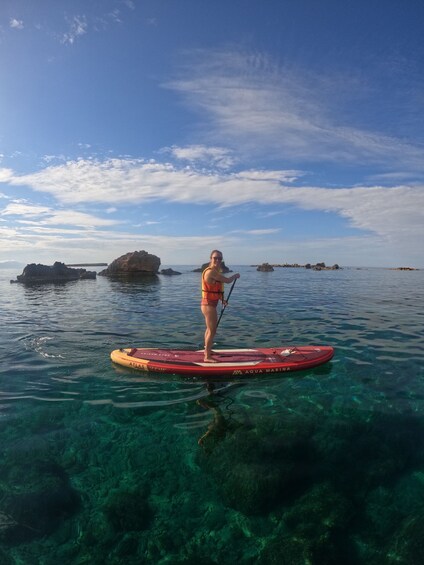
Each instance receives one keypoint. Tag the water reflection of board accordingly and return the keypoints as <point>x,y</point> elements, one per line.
<point>229,362</point>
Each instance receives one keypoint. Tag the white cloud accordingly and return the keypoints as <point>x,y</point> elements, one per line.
<point>216,156</point>
<point>77,27</point>
<point>279,176</point>
<point>18,208</point>
<point>269,231</point>
<point>30,214</point>
<point>133,180</point>
<point>259,107</point>
<point>16,24</point>
<point>129,3</point>
<point>395,176</point>
<point>80,219</point>
<point>389,211</point>
<point>51,158</point>
<point>48,238</point>
<point>50,244</point>
<point>6,175</point>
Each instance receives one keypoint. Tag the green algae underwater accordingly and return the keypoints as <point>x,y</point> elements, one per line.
<point>106,465</point>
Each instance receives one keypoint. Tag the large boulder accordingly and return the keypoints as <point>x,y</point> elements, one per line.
<point>133,263</point>
<point>59,272</point>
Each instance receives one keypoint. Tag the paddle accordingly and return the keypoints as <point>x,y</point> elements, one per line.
<point>226,302</point>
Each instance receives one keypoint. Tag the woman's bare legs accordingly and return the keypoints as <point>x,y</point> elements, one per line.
<point>211,319</point>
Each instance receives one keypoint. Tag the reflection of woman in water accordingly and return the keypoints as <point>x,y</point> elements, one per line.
<point>219,426</point>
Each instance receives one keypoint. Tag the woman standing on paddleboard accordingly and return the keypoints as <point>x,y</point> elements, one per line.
<point>212,292</point>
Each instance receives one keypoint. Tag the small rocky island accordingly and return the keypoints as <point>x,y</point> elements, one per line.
<point>59,272</point>
<point>266,267</point>
<point>133,263</point>
<point>322,267</point>
<point>404,269</point>
<point>169,272</point>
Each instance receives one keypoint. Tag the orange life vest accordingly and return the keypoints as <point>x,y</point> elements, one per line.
<point>212,291</point>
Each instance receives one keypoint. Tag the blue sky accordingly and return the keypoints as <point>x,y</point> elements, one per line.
<point>274,130</point>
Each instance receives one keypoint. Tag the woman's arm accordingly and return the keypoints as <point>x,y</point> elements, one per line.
<point>213,275</point>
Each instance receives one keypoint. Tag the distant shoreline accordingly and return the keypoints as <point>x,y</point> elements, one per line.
<point>86,265</point>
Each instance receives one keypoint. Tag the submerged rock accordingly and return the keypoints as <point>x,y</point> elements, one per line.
<point>260,468</point>
<point>59,272</point>
<point>128,510</point>
<point>34,503</point>
<point>133,263</point>
<point>407,544</point>
<point>169,272</point>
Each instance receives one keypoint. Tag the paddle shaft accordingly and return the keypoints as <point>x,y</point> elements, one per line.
<point>226,302</point>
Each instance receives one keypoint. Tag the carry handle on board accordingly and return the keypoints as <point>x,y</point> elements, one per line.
<point>226,302</point>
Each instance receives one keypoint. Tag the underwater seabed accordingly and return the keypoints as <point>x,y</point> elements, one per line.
<point>286,473</point>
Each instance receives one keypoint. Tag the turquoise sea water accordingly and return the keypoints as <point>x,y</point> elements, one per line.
<point>100,464</point>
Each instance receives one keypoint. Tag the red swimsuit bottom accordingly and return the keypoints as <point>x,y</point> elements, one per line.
<point>206,302</point>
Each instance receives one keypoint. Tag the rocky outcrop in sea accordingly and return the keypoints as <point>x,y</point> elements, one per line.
<point>58,272</point>
<point>404,269</point>
<point>265,268</point>
<point>315,267</point>
<point>321,267</point>
<point>133,263</point>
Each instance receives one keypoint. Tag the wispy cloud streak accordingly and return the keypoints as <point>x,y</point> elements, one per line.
<point>256,105</point>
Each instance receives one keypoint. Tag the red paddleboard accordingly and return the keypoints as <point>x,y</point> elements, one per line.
<point>229,362</point>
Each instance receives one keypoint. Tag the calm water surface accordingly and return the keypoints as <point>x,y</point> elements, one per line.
<point>104,465</point>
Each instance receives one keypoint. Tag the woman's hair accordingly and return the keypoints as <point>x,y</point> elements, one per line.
<point>215,251</point>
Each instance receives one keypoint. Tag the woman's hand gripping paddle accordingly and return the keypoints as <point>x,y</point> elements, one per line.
<point>225,303</point>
